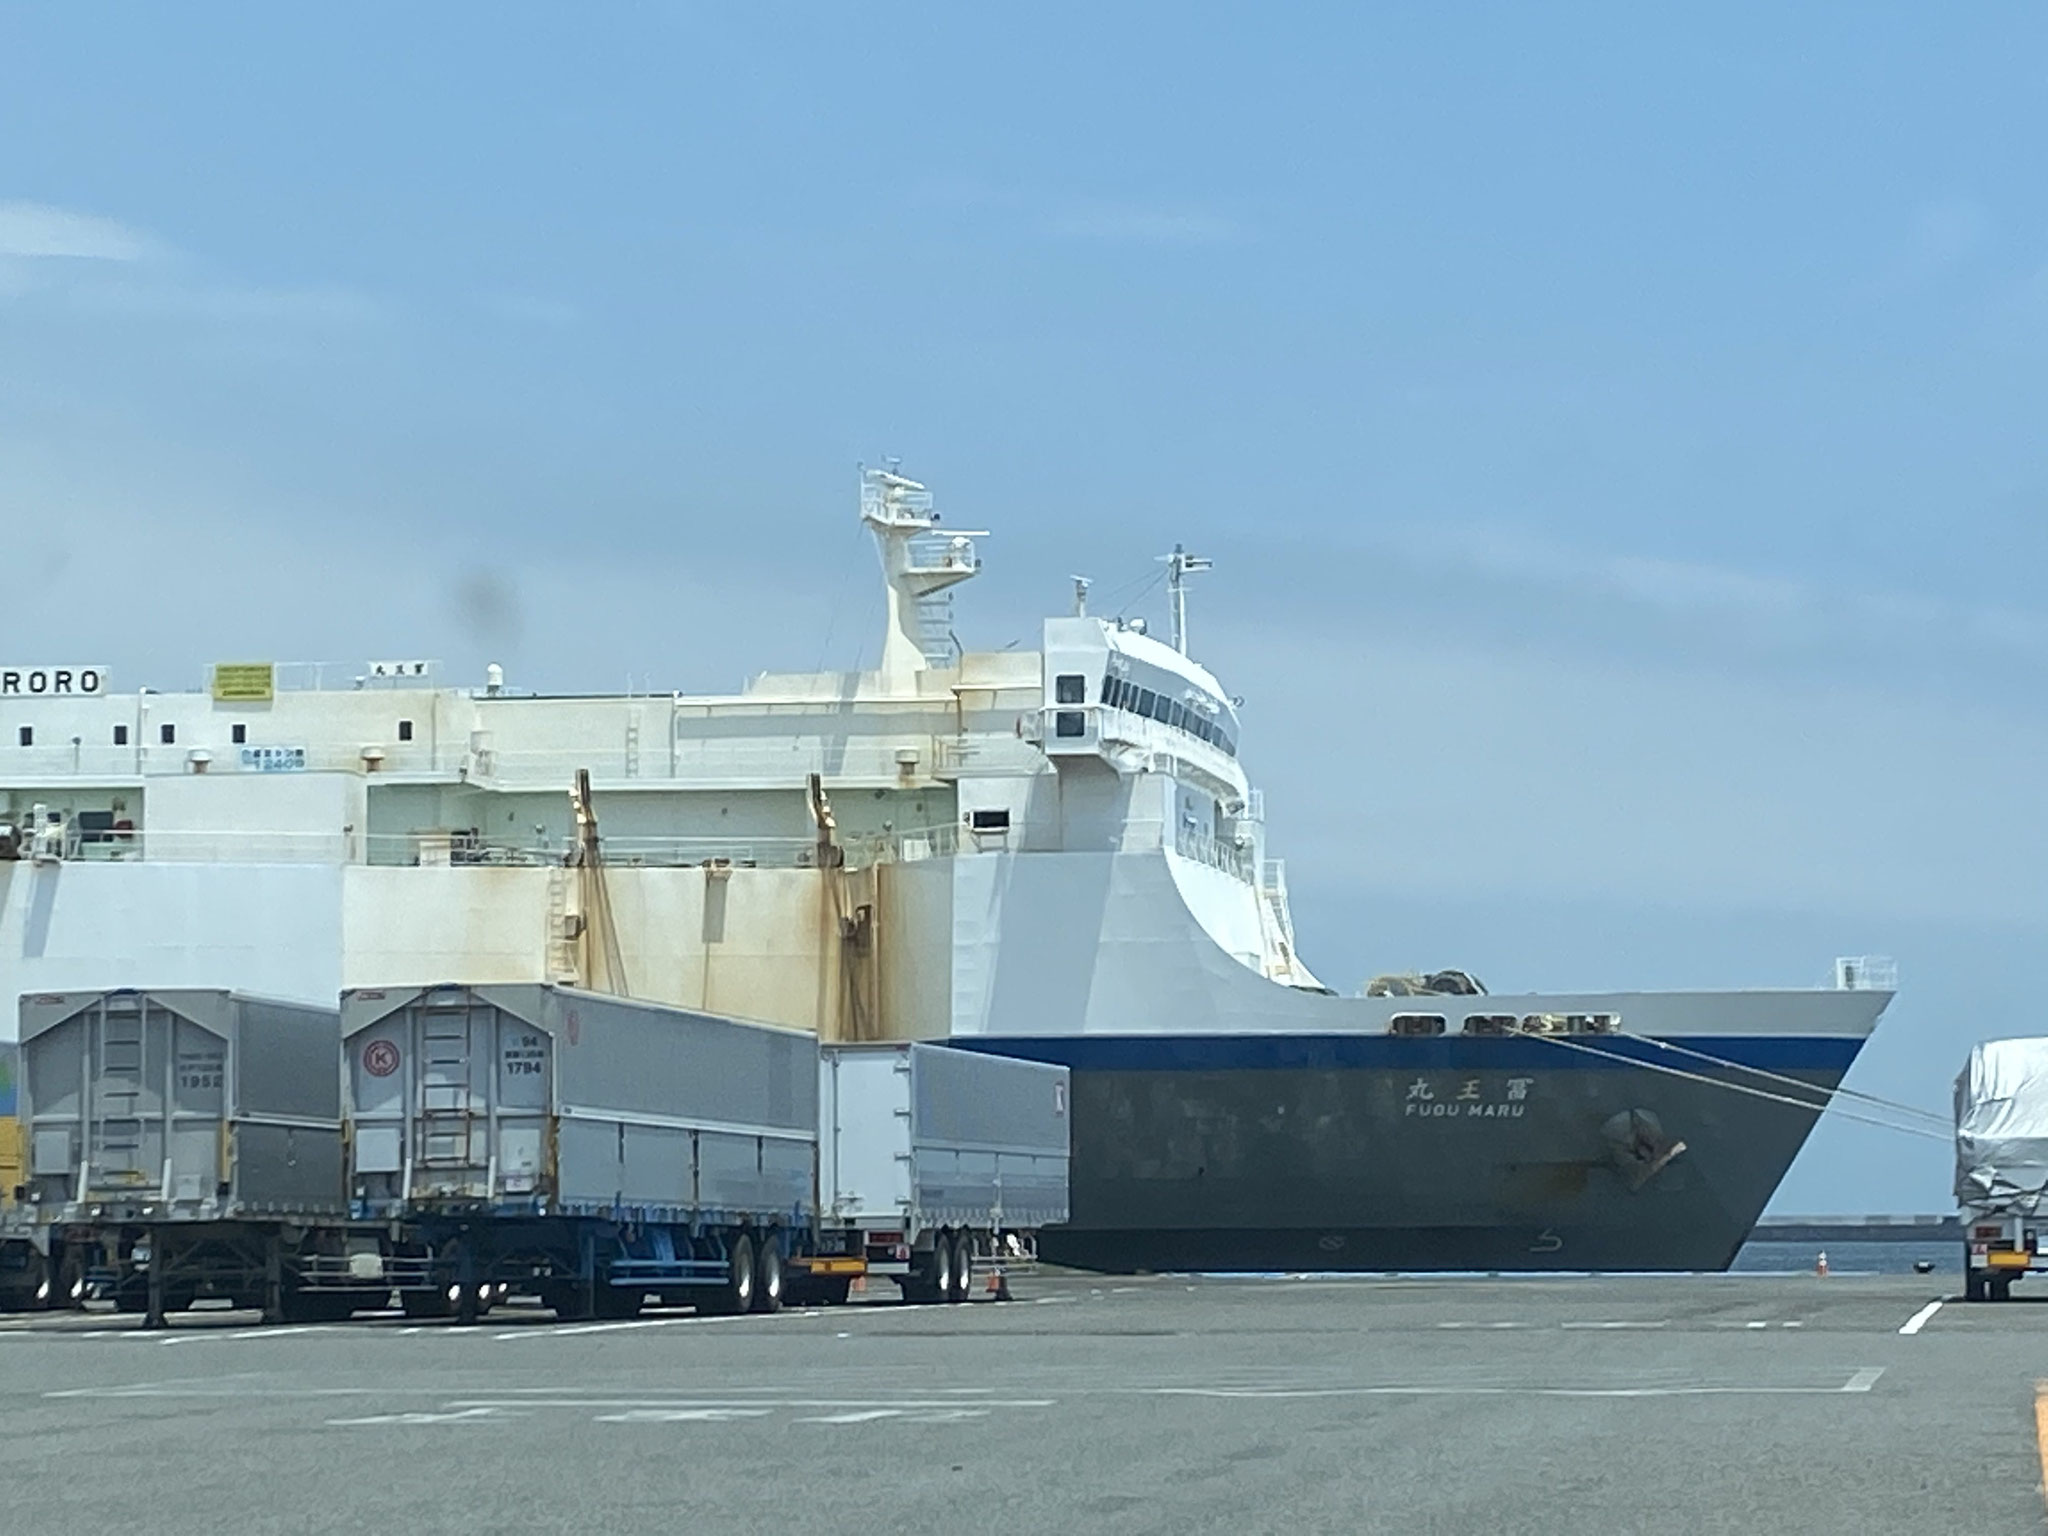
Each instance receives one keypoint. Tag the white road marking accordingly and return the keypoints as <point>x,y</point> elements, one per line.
<point>466,1416</point>
<point>570,1330</point>
<point>183,1389</point>
<point>1921,1318</point>
<point>1665,1323</point>
<point>862,1416</point>
<point>1862,1381</point>
<point>1486,1325</point>
<point>872,1405</point>
<point>1756,1325</point>
<point>682,1415</point>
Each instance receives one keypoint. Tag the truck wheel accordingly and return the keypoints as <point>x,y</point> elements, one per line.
<point>963,1266</point>
<point>737,1294</point>
<point>942,1267</point>
<point>2001,1288</point>
<point>768,1276</point>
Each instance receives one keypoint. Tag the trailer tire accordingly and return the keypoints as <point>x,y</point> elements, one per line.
<point>736,1295</point>
<point>963,1266</point>
<point>768,1274</point>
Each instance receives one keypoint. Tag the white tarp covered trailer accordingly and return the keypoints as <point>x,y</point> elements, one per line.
<point>2001,1103</point>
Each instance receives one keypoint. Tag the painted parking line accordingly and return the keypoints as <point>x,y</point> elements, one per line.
<point>1862,1381</point>
<point>464,1416</point>
<point>1920,1319</point>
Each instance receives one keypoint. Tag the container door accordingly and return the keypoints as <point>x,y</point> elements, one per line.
<point>525,1072</point>
<point>196,1122</point>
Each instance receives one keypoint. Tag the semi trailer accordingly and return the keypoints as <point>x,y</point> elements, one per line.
<point>450,1147</point>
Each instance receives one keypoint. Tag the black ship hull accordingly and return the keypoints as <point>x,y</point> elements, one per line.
<point>1269,1153</point>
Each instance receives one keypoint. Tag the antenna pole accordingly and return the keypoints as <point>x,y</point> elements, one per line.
<point>1179,565</point>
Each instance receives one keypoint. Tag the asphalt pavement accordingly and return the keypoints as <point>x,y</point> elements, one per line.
<point>1308,1404</point>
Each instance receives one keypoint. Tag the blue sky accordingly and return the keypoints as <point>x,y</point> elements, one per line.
<point>1617,430</point>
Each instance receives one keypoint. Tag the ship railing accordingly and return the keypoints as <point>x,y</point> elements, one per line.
<point>70,842</point>
<point>470,848</point>
<point>184,846</point>
<point>1193,843</point>
<point>892,760</point>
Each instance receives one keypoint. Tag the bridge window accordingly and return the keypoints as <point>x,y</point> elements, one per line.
<point>120,735</point>
<point>28,735</point>
<point>168,735</point>
<point>1122,693</point>
<point>405,730</point>
<point>1070,722</point>
<point>1070,688</point>
<point>989,821</point>
<point>1416,1024</point>
<point>238,733</point>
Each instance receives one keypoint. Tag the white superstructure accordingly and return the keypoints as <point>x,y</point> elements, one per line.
<point>292,830</point>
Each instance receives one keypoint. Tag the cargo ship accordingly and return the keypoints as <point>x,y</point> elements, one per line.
<point>1054,854</point>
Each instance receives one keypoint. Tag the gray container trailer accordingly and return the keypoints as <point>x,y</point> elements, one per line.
<point>179,1143</point>
<point>926,1136</point>
<point>942,1161</point>
<point>530,1097</point>
<point>179,1102</point>
<point>587,1149</point>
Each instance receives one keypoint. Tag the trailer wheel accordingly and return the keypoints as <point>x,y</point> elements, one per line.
<point>944,1275</point>
<point>963,1266</point>
<point>768,1275</point>
<point>736,1295</point>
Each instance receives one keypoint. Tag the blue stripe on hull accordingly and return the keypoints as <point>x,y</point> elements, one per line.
<point>1335,1052</point>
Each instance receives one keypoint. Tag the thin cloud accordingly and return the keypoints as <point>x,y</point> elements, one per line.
<point>1756,611</point>
<point>39,231</point>
<point>1140,224</point>
<point>229,303</point>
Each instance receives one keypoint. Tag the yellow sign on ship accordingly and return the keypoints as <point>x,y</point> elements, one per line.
<point>244,682</point>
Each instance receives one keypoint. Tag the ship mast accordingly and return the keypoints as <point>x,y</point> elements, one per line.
<point>1179,566</point>
<point>919,562</point>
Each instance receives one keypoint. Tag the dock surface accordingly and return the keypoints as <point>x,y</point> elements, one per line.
<point>1341,1404</point>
